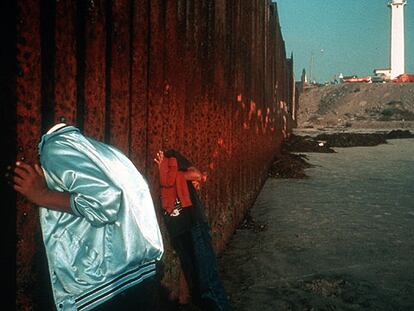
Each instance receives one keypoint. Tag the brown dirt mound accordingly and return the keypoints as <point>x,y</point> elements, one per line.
<point>357,105</point>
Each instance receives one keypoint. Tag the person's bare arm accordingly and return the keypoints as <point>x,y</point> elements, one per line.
<point>159,158</point>
<point>195,176</point>
<point>167,168</point>
<point>30,182</point>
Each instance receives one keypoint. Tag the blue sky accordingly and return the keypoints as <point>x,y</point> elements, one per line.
<point>328,37</point>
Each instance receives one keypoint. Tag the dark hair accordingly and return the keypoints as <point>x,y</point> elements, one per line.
<point>182,161</point>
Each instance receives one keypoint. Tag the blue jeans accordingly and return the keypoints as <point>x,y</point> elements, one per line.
<point>210,285</point>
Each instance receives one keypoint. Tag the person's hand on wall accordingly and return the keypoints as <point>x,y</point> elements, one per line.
<point>30,182</point>
<point>159,158</point>
<point>200,178</point>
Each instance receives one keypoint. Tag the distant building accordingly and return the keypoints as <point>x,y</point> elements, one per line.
<point>386,73</point>
<point>397,37</point>
<point>304,78</point>
<point>397,47</point>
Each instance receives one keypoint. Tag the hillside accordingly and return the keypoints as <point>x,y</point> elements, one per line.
<point>357,105</point>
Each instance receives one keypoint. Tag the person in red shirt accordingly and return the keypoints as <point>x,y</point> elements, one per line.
<point>188,229</point>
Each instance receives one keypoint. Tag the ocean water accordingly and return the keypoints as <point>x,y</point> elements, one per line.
<point>350,223</point>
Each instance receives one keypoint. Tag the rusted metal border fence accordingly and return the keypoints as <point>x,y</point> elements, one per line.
<point>207,77</point>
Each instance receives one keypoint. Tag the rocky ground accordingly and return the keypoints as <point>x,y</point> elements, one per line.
<point>357,105</point>
<point>338,240</point>
<point>290,163</point>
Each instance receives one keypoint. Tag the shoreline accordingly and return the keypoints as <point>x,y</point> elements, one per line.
<point>383,127</point>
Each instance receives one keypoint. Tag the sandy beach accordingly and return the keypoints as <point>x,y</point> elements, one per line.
<point>341,239</point>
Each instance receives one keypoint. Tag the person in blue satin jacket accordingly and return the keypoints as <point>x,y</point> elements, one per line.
<point>98,222</point>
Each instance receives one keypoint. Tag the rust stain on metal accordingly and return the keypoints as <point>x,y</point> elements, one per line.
<point>95,48</point>
<point>157,112</point>
<point>66,64</point>
<point>120,75</point>
<point>28,90</point>
<point>172,125</point>
<point>139,84</point>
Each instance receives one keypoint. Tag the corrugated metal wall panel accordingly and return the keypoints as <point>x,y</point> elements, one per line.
<point>119,99</point>
<point>65,62</point>
<point>28,129</point>
<point>139,83</point>
<point>95,72</point>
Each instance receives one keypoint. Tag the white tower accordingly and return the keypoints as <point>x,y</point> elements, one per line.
<point>397,37</point>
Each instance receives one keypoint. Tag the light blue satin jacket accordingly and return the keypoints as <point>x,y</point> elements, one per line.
<point>112,240</point>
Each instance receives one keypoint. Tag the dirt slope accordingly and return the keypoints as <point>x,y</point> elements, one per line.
<point>357,105</point>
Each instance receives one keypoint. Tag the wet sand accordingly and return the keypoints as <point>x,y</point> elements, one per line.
<point>342,239</point>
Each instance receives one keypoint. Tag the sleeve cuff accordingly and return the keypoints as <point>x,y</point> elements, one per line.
<point>73,206</point>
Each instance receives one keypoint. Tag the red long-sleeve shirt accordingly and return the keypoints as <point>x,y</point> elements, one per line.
<point>173,185</point>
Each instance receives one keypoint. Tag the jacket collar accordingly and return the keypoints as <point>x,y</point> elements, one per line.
<point>56,127</point>
<point>55,130</point>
